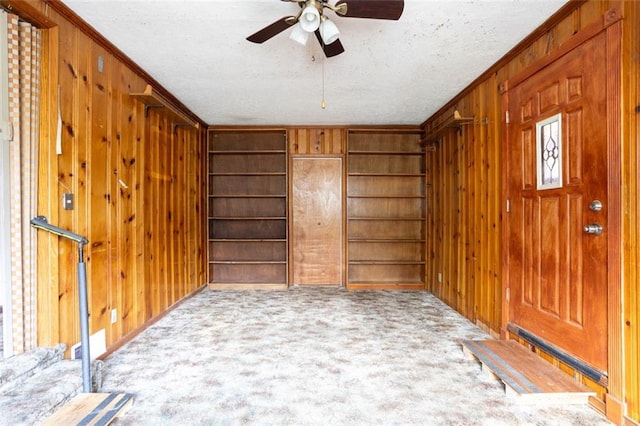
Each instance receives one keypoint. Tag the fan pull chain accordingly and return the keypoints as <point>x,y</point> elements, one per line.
<point>323,104</point>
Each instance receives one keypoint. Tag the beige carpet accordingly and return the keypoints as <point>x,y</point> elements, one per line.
<point>315,357</point>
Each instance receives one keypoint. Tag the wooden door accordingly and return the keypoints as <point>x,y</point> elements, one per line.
<point>557,271</point>
<point>316,250</point>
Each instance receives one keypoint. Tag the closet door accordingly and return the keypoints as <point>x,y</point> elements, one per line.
<point>316,250</point>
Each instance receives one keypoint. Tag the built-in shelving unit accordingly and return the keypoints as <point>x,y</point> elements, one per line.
<point>247,209</point>
<point>385,210</point>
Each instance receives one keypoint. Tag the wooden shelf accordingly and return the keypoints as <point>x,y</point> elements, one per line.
<point>252,152</point>
<point>388,196</point>
<point>385,240</point>
<point>248,218</point>
<point>455,120</point>
<point>372,152</point>
<point>386,211</point>
<point>248,262</point>
<point>387,285</point>
<point>387,262</point>
<point>248,240</point>
<point>249,174</point>
<point>399,219</point>
<point>245,196</point>
<point>152,99</point>
<point>247,232</point>
<point>385,175</point>
<point>247,286</point>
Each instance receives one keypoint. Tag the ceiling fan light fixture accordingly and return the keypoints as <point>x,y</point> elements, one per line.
<point>328,31</point>
<point>310,18</point>
<point>299,35</point>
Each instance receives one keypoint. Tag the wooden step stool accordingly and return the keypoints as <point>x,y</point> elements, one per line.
<point>91,409</point>
<point>526,376</point>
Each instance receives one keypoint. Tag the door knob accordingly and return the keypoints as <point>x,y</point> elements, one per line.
<point>593,228</point>
<point>595,206</point>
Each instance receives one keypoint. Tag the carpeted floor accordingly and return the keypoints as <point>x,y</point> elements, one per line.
<point>315,357</point>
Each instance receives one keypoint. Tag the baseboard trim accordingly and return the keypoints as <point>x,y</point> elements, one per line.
<point>615,409</point>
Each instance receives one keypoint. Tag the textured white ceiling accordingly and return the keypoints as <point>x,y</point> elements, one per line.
<point>392,72</point>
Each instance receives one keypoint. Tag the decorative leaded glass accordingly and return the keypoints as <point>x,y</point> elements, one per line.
<point>549,152</point>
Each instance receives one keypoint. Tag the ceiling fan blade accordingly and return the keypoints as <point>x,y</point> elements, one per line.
<point>272,30</point>
<point>374,9</point>
<point>332,49</point>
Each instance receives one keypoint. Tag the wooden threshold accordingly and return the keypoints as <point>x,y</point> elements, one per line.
<point>91,409</point>
<point>528,378</point>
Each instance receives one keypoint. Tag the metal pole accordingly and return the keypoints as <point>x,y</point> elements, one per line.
<point>40,222</point>
<point>84,321</point>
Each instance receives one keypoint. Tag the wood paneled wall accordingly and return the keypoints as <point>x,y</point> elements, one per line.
<point>464,189</point>
<point>631,205</point>
<point>310,141</point>
<point>138,188</point>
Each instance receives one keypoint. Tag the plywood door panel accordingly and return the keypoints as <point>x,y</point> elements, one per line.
<point>558,274</point>
<point>317,221</point>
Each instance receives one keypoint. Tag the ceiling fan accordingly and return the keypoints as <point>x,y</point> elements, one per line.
<point>312,19</point>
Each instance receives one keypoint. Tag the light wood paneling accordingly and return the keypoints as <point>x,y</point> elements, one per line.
<point>308,141</point>
<point>463,202</point>
<point>138,193</point>
<point>631,205</point>
<point>464,192</point>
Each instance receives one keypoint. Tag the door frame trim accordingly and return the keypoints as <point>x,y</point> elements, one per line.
<point>611,23</point>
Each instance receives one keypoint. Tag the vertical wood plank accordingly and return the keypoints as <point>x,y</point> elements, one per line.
<point>98,180</point>
<point>631,204</point>
<point>163,225</point>
<point>495,208</point>
<point>140,190</point>
<point>81,129</point>
<point>69,89</point>
<point>114,296</point>
<point>615,408</point>
<point>127,219</point>
<point>172,215</point>
<point>153,202</point>
<point>47,266</point>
